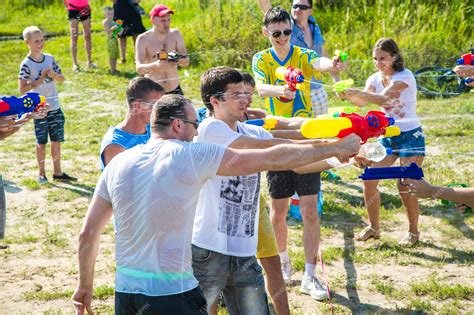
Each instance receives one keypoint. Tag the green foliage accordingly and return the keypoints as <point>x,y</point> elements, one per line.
<point>228,32</point>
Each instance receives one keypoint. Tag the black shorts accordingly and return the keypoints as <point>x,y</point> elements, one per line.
<point>189,302</point>
<point>178,91</point>
<point>284,184</point>
<point>76,15</point>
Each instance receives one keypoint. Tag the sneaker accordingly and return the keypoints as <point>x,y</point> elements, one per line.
<point>42,180</point>
<point>312,286</point>
<point>92,66</point>
<point>64,177</point>
<point>287,271</point>
<point>75,68</point>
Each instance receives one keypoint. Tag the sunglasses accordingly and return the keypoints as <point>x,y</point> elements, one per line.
<point>277,34</point>
<point>187,121</point>
<point>302,7</point>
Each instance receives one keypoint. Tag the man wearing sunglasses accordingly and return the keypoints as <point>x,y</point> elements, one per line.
<point>152,191</point>
<point>282,101</point>
<point>141,93</point>
<point>307,34</point>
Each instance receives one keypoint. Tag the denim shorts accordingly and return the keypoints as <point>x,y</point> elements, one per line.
<point>52,125</point>
<point>408,143</point>
<point>240,279</point>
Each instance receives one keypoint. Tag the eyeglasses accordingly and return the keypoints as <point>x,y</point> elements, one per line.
<point>277,34</point>
<point>233,95</point>
<point>187,121</point>
<point>302,7</point>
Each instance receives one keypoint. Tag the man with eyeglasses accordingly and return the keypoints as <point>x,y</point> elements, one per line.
<point>152,190</point>
<point>280,100</point>
<point>141,93</point>
<point>228,219</point>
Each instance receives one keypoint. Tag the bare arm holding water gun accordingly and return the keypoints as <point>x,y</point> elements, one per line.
<point>460,195</point>
<point>15,112</point>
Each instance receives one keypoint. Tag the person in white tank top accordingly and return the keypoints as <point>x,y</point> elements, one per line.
<point>393,88</point>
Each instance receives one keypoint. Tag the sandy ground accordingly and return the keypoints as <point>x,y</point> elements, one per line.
<point>32,265</point>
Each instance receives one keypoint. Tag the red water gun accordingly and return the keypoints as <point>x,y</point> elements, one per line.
<point>293,78</point>
<point>372,125</point>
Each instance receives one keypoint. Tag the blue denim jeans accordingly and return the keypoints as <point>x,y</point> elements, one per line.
<point>240,279</point>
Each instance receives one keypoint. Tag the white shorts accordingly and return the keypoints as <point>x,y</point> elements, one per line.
<point>319,100</point>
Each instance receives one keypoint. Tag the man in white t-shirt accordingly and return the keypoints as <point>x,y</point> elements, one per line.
<point>153,235</point>
<point>226,224</point>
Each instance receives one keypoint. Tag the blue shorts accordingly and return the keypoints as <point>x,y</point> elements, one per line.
<point>52,125</point>
<point>408,143</point>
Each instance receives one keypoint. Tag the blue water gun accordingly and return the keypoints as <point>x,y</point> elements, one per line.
<point>12,105</point>
<point>267,123</point>
<point>411,171</point>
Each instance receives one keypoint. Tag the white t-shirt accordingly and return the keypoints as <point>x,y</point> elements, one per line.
<point>227,211</point>
<point>30,70</point>
<point>406,118</point>
<point>154,189</point>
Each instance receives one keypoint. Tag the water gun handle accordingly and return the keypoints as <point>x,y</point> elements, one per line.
<point>341,54</point>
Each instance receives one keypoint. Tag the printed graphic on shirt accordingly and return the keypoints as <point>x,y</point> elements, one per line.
<point>238,205</point>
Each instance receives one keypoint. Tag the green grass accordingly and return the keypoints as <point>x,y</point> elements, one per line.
<point>30,184</point>
<point>102,292</point>
<point>439,289</point>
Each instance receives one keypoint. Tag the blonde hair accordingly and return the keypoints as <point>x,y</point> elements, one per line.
<point>29,31</point>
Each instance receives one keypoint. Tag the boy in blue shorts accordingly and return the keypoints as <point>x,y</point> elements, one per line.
<point>38,73</point>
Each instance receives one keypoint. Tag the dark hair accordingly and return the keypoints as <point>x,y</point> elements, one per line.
<point>140,87</point>
<point>390,46</point>
<point>170,105</point>
<point>214,83</point>
<point>276,15</point>
<point>248,79</point>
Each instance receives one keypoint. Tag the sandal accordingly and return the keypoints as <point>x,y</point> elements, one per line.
<point>368,233</point>
<point>409,239</point>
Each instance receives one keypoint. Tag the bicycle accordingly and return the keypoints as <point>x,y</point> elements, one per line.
<point>440,82</point>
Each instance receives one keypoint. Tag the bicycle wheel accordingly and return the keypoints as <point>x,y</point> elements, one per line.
<point>439,82</point>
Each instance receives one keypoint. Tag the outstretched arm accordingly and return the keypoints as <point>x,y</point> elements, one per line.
<point>368,95</point>
<point>285,156</point>
<point>423,189</point>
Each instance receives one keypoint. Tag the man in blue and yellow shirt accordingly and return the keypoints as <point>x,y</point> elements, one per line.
<point>280,100</point>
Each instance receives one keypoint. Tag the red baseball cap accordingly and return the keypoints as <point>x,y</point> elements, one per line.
<point>160,10</point>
